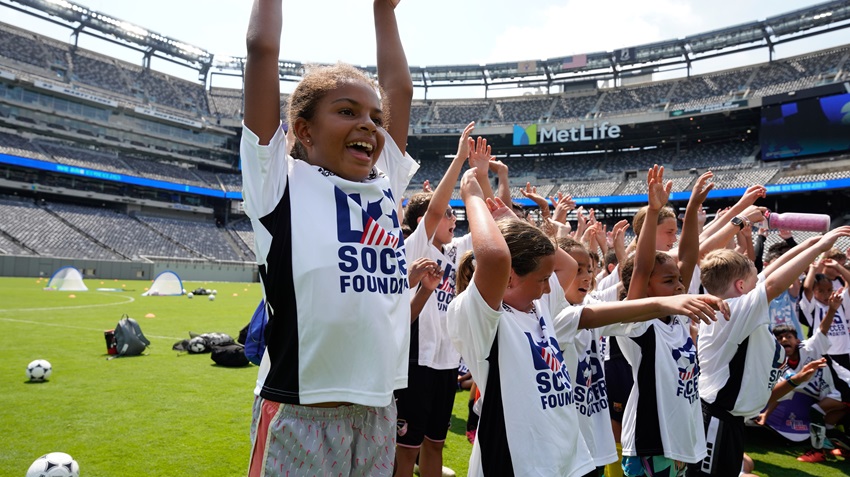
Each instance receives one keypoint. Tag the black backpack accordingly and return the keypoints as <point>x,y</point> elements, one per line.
<point>129,339</point>
<point>231,355</point>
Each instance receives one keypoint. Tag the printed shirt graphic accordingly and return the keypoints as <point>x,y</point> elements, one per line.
<point>536,387</point>
<point>740,358</point>
<point>334,274</point>
<point>435,347</point>
<point>839,335</point>
<point>583,355</point>
<point>783,311</point>
<point>664,403</point>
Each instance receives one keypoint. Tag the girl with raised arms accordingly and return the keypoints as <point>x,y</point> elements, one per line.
<point>330,253</point>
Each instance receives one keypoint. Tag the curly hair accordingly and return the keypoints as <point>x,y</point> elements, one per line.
<point>416,207</point>
<point>317,82</point>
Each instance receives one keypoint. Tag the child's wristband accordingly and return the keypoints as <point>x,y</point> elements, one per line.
<point>792,383</point>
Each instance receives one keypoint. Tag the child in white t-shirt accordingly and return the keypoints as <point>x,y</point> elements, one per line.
<point>740,358</point>
<point>330,253</point>
<point>503,326</point>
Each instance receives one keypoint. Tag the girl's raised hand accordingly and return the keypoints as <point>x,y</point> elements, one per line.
<point>658,191</point>
<point>479,154</point>
<point>702,188</point>
<point>836,299</point>
<point>463,142</point>
<point>499,210</point>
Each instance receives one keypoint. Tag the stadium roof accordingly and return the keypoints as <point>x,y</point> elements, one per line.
<point>639,59</point>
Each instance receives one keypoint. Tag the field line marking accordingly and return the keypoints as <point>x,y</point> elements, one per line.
<point>127,299</point>
<point>58,325</point>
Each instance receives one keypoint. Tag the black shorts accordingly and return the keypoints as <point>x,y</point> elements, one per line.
<point>618,382</point>
<point>425,406</point>
<point>724,444</point>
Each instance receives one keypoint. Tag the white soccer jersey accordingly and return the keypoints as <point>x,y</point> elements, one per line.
<point>430,342</point>
<point>527,407</point>
<point>583,357</point>
<point>820,385</point>
<point>334,273</point>
<point>663,415</point>
<point>740,358</point>
<point>813,313</point>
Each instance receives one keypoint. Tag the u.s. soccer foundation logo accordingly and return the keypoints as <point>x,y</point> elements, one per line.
<point>553,379</point>
<point>525,136</point>
<point>686,361</point>
<point>371,257</point>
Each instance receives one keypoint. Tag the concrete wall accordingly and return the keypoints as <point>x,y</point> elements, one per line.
<point>35,266</point>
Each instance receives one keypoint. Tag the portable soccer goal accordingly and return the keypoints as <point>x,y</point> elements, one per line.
<point>66,279</point>
<point>166,283</point>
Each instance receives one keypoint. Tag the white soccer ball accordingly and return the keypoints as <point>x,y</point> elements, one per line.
<point>214,292</point>
<point>55,464</point>
<point>197,345</point>
<point>190,295</point>
<point>39,370</point>
<point>211,298</point>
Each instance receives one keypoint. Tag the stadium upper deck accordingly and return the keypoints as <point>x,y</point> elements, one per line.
<point>59,103</point>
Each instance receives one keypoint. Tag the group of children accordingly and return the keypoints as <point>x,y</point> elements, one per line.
<point>371,306</point>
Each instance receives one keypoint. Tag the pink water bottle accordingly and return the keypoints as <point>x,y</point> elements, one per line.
<point>798,221</point>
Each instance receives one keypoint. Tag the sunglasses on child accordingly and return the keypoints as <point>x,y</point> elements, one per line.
<point>450,213</point>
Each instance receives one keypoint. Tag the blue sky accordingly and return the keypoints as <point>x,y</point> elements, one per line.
<point>445,31</point>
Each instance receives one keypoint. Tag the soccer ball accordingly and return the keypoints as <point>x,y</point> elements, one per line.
<point>211,298</point>
<point>190,295</point>
<point>197,345</point>
<point>39,370</point>
<point>55,464</point>
<point>214,292</point>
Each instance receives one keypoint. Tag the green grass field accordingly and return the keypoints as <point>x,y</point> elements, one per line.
<point>169,414</point>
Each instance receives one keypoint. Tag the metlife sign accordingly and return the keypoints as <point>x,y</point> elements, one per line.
<point>533,134</point>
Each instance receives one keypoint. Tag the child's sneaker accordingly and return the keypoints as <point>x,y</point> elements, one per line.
<point>813,455</point>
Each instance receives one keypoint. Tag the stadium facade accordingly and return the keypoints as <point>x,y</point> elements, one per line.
<point>128,171</point>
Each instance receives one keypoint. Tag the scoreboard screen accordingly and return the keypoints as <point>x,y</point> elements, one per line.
<point>805,127</point>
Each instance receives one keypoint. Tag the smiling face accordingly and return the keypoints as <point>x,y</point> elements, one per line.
<point>580,286</point>
<point>446,228</point>
<point>342,135</point>
<point>522,290</point>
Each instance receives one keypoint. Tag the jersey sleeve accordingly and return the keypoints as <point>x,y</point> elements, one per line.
<point>818,344</point>
<point>472,326</point>
<point>566,325</point>
<point>748,313</point>
<point>807,309</point>
<point>612,279</point>
<point>399,167</point>
<point>264,172</point>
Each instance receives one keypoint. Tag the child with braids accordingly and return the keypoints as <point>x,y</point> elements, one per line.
<point>506,324</point>
<point>330,254</point>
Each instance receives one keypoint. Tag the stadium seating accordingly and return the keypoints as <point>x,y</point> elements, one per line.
<point>47,234</point>
<point>203,238</point>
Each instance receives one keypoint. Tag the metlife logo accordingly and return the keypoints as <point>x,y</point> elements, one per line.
<point>531,135</point>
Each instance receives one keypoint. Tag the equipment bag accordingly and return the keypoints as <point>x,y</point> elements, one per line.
<point>129,339</point>
<point>232,356</point>
<point>255,340</point>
